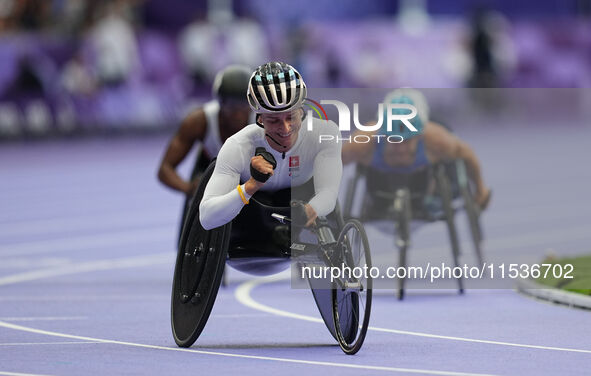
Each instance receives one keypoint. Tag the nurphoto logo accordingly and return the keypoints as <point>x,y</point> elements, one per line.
<point>344,121</point>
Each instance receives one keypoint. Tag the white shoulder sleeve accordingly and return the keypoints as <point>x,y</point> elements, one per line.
<point>221,201</point>
<point>328,170</point>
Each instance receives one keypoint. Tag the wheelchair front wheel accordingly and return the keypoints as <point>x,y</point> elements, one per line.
<point>351,295</point>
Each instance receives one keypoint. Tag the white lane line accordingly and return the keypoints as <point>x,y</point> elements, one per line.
<point>128,262</point>
<point>509,217</point>
<point>33,262</point>
<point>242,356</point>
<point>61,298</point>
<point>44,318</point>
<point>47,343</point>
<point>242,294</point>
<point>531,239</point>
<point>526,239</point>
<point>19,374</point>
<point>74,206</point>
<point>76,243</point>
<point>78,223</point>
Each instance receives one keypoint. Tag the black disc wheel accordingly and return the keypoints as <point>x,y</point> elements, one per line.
<point>198,273</point>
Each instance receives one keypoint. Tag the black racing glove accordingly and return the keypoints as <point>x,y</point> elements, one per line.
<point>256,174</point>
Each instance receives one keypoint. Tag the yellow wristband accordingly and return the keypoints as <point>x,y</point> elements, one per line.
<point>239,188</point>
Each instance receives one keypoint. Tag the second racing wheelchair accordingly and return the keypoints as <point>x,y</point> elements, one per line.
<point>267,248</point>
<point>431,194</point>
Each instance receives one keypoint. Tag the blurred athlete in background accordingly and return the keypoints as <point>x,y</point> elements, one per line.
<point>210,126</point>
<point>431,143</point>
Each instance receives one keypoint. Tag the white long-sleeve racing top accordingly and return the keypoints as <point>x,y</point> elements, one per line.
<point>308,158</point>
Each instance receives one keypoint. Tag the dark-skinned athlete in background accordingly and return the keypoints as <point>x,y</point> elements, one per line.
<point>209,126</point>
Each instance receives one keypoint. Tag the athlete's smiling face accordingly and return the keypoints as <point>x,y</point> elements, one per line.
<point>282,128</point>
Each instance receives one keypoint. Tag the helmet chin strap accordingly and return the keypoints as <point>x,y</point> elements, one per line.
<point>275,141</point>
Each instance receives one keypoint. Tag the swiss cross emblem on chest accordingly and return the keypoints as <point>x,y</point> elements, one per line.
<point>294,165</point>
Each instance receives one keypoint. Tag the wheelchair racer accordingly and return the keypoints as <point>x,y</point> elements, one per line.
<point>292,155</point>
<point>210,126</point>
<point>432,143</point>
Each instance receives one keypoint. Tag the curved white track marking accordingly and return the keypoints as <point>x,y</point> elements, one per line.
<point>203,352</point>
<point>47,343</point>
<point>128,262</point>
<point>242,294</point>
<point>243,291</point>
<point>44,318</point>
<point>19,374</point>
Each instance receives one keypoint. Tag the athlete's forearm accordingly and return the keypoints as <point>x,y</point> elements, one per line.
<point>472,165</point>
<point>324,202</point>
<point>169,177</point>
<point>328,170</point>
<point>252,186</point>
<point>216,211</point>
<point>178,149</point>
<point>222,200</point>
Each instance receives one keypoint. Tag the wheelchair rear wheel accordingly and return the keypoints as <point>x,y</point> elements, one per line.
<point>198,272</point>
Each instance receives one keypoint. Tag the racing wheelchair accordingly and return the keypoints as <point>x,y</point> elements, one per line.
<point>266,248</point>
<point>434,193</point>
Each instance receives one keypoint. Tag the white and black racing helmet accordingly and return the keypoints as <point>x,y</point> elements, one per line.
<point>275,87</point>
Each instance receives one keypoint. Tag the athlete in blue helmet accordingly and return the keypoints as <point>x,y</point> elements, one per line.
<point>430,143</point>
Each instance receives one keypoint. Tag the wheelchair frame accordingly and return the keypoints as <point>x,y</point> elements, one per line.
<point>200,263</point>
